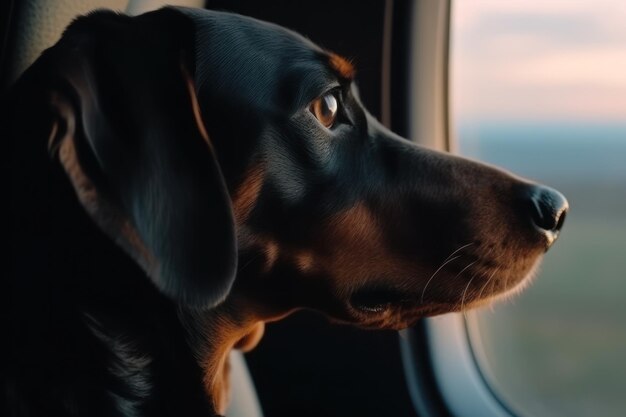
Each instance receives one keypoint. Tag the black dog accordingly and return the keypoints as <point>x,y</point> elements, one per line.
<point>230,161</point>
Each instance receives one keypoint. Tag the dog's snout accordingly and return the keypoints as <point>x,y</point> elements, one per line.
<point>548,208</point>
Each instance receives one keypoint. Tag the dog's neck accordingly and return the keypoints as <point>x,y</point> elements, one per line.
<point>213,335</point>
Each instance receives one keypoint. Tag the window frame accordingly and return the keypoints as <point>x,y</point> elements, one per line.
<point>442,371</point>
<point>452,371</point>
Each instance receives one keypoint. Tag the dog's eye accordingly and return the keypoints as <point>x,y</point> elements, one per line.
<point>324,109</point>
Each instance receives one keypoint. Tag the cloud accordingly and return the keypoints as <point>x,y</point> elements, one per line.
<point>537,59</point>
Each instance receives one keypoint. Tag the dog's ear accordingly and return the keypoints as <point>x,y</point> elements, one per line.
<point>128,130</point>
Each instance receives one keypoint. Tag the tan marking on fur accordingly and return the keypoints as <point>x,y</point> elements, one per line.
<point>53,137</point>
<point>235,324</point>
<point>359,252</point>
<point>247,194</point>
<point>267,247</point>
<point>104,213</point>
<point>195,106</point>
<point>272,251</point>
<point>305,261</point>
<point>342,66</point>
<point>216,365</point>
<point>251,339</point>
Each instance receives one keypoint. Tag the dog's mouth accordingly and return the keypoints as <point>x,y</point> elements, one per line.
<point>380,306</point>
<point>388,308</point>
<point>377,299</point>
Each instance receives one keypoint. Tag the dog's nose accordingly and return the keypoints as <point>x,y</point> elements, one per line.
<point>548,208</point>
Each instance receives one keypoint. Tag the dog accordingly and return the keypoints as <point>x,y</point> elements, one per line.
<point>181,178</point>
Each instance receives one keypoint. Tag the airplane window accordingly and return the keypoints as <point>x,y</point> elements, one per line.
<point>540,88</point>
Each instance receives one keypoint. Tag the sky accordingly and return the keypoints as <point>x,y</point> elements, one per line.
<point>538,60</point>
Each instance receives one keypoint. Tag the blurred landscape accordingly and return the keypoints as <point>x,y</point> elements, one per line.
<point>539,87</point>
<point>558,348</point>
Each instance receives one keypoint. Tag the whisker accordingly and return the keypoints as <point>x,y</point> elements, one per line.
<point>458,304</point>
<point>458,250</point>
<point>459,274</point>
<point>465,291</point>
<point>506,283</point>
<point>464,269</point>
<point>449,259</point>
<point>493,274</point>
<point>433,275</point>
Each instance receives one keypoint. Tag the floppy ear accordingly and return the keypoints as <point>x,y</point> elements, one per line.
<point>129,133</point>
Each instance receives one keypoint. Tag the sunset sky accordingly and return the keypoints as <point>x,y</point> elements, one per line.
<point>533,60</point>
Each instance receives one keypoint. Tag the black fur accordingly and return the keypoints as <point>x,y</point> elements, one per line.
<point>88,334</point>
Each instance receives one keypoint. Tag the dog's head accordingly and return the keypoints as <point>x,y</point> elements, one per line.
<point>232,157</point>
